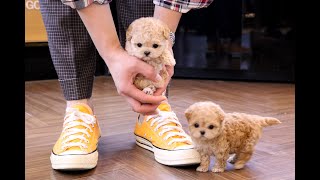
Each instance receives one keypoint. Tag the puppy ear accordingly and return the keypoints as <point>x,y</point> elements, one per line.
<point>219,111</point>
<point>129,33</point>
<point>166,32</point>
<point>222,115</point>
<point>188,112</point>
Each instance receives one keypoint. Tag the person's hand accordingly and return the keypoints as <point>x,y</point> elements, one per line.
<point>170,70</point>
<point>124,69</point>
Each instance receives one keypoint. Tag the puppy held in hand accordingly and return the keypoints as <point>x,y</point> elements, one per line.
<point>219,134</point>
<point>148,39</point>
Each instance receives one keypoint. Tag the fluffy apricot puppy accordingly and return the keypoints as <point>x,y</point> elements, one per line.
<point>148,39</point>
<point>219,134</point>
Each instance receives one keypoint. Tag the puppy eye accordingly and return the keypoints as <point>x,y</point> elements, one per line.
<point>196,125</point>
<point>211,127</point>
<point>139,44</point>
<point>155,45</point>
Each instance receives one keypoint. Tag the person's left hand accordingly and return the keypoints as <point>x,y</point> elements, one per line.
<point>170,70</point>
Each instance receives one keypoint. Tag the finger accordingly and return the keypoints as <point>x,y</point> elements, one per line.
<point>170,70</point>
<point>140,96</point>
<point>160,91</point>
<point>148,71</point>
<point>144,109</point>
<point>148,109</point>
<point>153,112</point>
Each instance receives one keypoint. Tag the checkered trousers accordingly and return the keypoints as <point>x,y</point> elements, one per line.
<point>72,50</point>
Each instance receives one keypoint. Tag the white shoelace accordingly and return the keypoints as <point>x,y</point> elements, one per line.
<point>71,133</point>
<point>163,120</point>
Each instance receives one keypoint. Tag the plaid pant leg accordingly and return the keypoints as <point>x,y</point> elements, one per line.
<point>72,50</point>
<point>128,11</point>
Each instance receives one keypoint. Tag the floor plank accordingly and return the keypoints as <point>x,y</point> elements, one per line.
<point>120,158</point>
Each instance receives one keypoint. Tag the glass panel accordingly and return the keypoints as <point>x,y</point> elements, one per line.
<point>248,39</point>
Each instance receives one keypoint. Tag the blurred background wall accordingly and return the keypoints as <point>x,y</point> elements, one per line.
<point>248,40</point>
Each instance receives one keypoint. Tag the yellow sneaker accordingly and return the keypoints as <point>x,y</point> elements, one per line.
<point>76,148</point>
<point>163,135</point>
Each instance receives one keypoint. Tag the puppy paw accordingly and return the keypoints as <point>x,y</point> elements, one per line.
<point>238,165</point>
<point>148,90</point>
<point>153,88</point>
<point>202,169</point>
<point>217,170</point>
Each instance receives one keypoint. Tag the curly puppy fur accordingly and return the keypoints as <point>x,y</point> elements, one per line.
<point>219,134</point>
<point>147,38</point>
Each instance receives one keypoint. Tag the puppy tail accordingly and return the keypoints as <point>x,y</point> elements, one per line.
<point>269,121</point>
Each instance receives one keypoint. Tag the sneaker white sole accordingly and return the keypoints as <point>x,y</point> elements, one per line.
<point>74,162</point>
<point>183,157</point>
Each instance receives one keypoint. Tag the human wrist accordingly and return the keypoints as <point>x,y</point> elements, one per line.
<point>168,16</point>
<point>110,52</point>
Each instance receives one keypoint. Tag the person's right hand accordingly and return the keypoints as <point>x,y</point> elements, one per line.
<point>124,69</point>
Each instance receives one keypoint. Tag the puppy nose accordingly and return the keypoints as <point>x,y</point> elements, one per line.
<point>202,132</point>
<point>147,53</point>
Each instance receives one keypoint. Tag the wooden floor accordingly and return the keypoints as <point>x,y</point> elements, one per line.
<point>119,156</point>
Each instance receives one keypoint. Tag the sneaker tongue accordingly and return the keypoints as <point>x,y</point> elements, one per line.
<point>164,107</point>
<point>85,109</point>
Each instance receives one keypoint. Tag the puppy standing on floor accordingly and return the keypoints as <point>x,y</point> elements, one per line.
<point>148,38</point>
<point>220,134</point>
